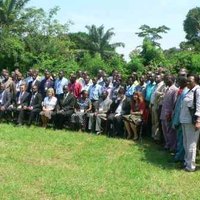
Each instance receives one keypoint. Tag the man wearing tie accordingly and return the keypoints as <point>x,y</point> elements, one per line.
<point>33,108</point>
<point>21,102</point>
<point>65,108</point>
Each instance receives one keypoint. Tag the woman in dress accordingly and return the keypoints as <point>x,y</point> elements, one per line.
<point>133,121</point>
<point>48,105</point>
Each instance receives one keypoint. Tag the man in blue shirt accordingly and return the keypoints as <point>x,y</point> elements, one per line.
<point>59,83</point>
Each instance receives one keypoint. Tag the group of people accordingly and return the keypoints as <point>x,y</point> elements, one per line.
<point>158,104</point>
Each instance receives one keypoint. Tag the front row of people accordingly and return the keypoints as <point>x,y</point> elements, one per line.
<point>81,113</point>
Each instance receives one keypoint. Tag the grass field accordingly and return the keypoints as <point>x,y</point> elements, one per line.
<point>46,164</point>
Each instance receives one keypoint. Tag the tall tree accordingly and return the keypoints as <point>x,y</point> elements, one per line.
<point>9,11</point>
<point>152,34</point>
<point>192,27</point>
<point>98,41</point>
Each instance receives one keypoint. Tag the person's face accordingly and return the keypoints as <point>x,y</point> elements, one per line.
<point>34,89</point>
<point>30,73</point>
<point>47,75</point>
<point>151,78</point>
<point>6,76</point>
<point>142,79</point>
<point>72,79</point>
<point>34,76</point>
<point>87,79</point>
<point>50,94</point>
<point>104,95</point>
<point>1,87</point>
<point>158,79</point>
<point>135,97</point>
<point>85,95</point>
<point>22,88</point>
<point>130,81</point>
<point>94,80</point>
<point>65,89</point>
<point>61,75</point>
<point>4,72</point>
<point>191,82</point>
<point>19,77</point>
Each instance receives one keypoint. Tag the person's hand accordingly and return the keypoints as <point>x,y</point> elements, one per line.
<point>168,117</point>
<point>197,125</point>
<point>2,108</point>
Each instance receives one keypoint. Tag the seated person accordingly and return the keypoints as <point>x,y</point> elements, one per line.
<point>100,114</point>
<point>64,108</point>
<point>5,100</point>
<point>133,121</point>
<point>118,108</point>
<point>84,106</point>
<point>21,101</point>
<point>48,106</point>
<point>33,108</point>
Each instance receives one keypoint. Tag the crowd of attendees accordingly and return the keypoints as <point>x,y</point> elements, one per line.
<point>157,104</point>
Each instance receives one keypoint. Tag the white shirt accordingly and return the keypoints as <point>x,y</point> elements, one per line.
<point>50,103</point>
<point>185,115</point>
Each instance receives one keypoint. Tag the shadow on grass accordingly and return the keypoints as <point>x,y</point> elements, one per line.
<point>155,155</point>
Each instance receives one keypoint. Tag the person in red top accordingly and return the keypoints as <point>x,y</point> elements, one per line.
<point>74,86</point>
<point>133,121</point>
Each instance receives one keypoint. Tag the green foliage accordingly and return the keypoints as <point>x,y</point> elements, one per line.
<point>9,12</point>
<point>136,62</point>
<point>92,63</point>
<point>11,51</point>
<point>98,41</point>
<point>192,27</point>
<point>153,34</point>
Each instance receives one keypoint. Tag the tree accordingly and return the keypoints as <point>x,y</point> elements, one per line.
<point>152,34</point>
<point>98,41</point>
<point>192,27</point>
<point>9,11</point>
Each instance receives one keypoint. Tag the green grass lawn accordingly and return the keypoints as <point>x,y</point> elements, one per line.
<point>46,164</point>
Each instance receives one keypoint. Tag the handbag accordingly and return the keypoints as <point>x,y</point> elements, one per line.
<point>193,109</point>
<point>136,119</point>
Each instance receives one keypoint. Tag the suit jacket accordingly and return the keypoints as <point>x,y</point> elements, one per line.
<point>30,84</point>
<point>36,101</point>
<point>44,85</point>
<point>126,107</point>
<point>24,101</point>
<point>6,101</point>
<point>66,103</point>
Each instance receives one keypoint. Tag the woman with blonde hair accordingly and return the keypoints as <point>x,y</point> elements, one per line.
<point>134,120</point>
<point>48,105</point>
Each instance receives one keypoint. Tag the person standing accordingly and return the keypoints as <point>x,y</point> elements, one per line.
<point>190,121</point>
<point>59,83</point>
<point>168,104</point>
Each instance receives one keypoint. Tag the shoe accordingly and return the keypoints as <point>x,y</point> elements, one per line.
<point>99,132</point>
<point>189,170</point>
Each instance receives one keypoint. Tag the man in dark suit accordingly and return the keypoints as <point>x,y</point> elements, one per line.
<point>33,108</point>
<point>64,109</point>
<point>21,101</point>
<point>5,100</point>
<point>121,106</point>
<point>46,83</point>
<point>33,82</point>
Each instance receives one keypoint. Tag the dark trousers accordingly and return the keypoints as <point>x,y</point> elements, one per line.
<point>115,125</point>
<point>60,117</point>
<point>31,115</point>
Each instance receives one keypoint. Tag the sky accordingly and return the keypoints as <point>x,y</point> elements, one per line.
<point>125,16</point>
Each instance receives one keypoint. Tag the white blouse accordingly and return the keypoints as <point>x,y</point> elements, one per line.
<point>50,103</point>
